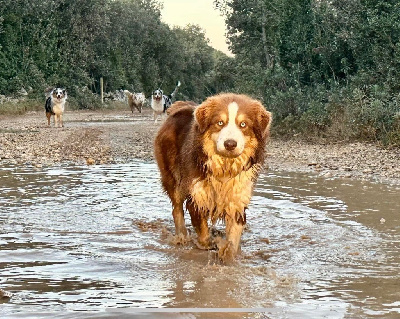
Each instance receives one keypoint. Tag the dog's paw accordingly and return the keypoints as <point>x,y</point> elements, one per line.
<point>205,244</point>
<point>226,251</point>
<point>181,239</point>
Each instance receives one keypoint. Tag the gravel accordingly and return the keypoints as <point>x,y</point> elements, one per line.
<point>118,136</point>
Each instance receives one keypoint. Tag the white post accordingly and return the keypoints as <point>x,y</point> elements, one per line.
<point>101,90</point>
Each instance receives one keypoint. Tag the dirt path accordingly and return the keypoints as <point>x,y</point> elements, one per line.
<point>100,137</point>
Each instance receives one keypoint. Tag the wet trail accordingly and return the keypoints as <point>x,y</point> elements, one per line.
<point>98,239</point>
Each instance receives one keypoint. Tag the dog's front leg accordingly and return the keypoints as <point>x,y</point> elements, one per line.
<point>179,220</point>
<point>200,223</point>
<point>61,121</point>
<point>229,248</point>
<point>55,120</point>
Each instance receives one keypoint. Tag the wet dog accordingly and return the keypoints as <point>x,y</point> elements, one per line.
<point>209,158</point>
<point>135,100</point>
<point>55,104</point>
<point>160,102</point>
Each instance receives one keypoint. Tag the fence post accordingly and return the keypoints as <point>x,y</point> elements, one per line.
<point>101,90</point>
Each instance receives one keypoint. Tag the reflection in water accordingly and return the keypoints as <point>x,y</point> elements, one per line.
<point>99,238</point>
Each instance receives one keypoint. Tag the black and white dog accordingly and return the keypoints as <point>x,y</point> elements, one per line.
<point>55,104</point>
<point>160,102</point>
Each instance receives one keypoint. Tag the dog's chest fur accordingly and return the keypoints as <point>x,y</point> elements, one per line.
<point>157,105</point>
<point>58,107</point>
<point>221,194</point>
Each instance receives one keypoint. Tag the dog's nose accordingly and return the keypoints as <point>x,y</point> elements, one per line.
<point>230,145</point>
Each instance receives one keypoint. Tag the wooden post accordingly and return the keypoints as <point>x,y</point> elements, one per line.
<point>101,90</point>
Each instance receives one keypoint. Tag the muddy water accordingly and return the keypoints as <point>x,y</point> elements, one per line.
<point>96,242</point>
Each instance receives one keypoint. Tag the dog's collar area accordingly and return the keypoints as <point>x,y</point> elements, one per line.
<point>245,168</point>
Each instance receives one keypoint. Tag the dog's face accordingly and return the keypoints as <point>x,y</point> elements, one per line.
<point>230,123</point>
<point>59,94</point>
<point>157,94</point>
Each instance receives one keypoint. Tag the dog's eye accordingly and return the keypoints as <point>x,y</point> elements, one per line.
<point>243,124</point>
<point>220,123</point>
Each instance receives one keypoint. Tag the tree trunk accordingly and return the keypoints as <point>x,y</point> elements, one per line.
<point>264,38</point>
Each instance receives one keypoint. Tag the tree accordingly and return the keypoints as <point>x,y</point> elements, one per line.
<point>72,43</point>
<point>197,61</point>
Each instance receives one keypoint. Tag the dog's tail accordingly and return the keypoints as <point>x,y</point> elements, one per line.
<point>127,93</point>
<point>47,92</point>
<point>176,89</point>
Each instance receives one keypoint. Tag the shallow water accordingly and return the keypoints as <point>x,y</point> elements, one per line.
<point>96,242</point>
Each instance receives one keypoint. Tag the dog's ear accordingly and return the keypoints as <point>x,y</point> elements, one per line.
<point>263,122</point>
<point>202,115</point>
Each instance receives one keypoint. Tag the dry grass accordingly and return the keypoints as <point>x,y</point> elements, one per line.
<point>20,107</point>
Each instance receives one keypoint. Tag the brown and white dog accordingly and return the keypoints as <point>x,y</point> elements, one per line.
<point>55,105</point>
<point>135,100</point>
<point>209,157</point>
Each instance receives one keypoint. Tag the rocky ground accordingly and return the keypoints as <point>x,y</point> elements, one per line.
<point>112,136</point>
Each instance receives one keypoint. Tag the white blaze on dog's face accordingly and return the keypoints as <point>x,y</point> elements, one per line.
<point>230,140</point>
<point>59,94</point>
<point>157,94</point>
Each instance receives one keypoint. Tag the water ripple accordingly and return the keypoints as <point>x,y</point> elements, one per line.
<point>93,238</point>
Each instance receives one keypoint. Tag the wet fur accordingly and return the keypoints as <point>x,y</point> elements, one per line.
<point>212,186</point>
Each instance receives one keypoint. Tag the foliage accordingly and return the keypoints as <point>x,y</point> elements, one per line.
<point>72,43</point>
<point>316,63</point>
<point>323,67</point>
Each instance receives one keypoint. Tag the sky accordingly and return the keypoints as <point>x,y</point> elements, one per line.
<point>200,12</point>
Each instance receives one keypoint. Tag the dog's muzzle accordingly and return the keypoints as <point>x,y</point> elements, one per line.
<point>230,145</point>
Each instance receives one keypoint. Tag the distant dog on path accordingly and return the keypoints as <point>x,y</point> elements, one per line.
<point>135,100</point>
<point>160,102</point>
<point>55,104</point>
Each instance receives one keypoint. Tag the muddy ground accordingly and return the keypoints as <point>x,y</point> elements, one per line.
<point>115,136</point>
